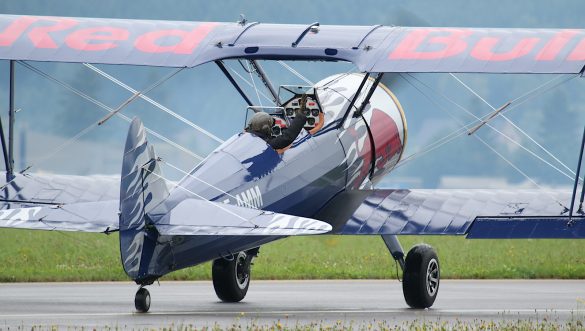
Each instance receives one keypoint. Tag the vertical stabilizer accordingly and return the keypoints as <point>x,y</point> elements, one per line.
<point>141,189</point>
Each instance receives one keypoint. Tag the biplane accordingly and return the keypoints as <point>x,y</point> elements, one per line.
<point>245,194</point>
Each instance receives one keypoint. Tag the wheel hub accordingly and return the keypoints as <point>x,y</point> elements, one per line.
<point>242,270</point>
<point>432,277</point>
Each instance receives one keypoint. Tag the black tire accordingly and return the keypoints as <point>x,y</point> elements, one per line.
<point>142,300</point>
<point>231,278</point>
<point>421,277</point>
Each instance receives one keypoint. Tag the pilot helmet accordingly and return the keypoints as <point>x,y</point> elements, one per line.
<point>262,123</point>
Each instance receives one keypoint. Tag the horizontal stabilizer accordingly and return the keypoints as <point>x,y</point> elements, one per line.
<point>207,218</point>
<point>99,216</point>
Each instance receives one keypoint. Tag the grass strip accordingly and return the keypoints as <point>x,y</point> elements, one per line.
<point>30,256</point>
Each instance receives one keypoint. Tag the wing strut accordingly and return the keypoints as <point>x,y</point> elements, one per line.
<point>354,99</point>
<point>262,74</point>
<point>10,166</point>
<point>4,151</point>
<point>233,81</point>
<point>577,183</point>
<point>360,112</point>
<point>366,101</point>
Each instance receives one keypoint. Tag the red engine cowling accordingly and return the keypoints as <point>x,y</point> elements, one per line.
<point>383,116</point>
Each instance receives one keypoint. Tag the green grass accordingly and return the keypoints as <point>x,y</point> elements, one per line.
<point>27,256</point>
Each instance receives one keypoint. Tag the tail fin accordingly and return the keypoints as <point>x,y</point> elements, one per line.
<point>142,187</point>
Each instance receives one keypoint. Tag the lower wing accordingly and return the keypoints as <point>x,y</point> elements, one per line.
<point>475,213</point>
<point>91,204</point>
<point>60,202</point>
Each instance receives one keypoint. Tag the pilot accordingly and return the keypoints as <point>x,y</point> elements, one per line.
<point>261,125</point>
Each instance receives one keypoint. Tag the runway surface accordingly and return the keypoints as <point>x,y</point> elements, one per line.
<point>362,301</point>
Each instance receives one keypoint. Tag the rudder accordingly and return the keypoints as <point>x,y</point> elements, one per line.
<point>142,187</point>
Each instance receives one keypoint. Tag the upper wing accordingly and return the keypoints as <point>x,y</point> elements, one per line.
<point>370,48</point>
<point>481,50</point>
<point>58,202</point>
<point>476,213</point>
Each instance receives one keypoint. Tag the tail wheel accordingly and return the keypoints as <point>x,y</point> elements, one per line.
<point>142,300</point>
<point>231,277</point>
<point>421,276</point>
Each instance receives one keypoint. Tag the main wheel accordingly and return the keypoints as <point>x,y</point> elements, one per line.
<point>420,281</point>
<point>142,300</point>
<point>231,278</point>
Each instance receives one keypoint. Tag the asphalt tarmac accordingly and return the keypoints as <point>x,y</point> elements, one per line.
<point>99,305</point>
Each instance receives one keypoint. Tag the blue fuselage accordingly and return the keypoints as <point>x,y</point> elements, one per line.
<point>246,171</point>
<point>300,181</point>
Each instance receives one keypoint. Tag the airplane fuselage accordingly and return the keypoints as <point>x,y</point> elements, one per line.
<point>246,171</point>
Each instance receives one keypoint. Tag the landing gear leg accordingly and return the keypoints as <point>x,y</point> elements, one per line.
<point>395,249</point>
<point>231,277</point>
<point>142,300</point>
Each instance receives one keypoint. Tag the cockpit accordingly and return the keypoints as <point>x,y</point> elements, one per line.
<point>298,99</point>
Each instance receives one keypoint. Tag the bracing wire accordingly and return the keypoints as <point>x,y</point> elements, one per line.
<point>218,205</point>
<point>514,166</point>
<point>139,93</point>
<point>340,76</point>
<point>431,147</point>
<point>254,83</point>
<point>55,151</point>
<point>80,133</point>
<point>464,129</point>
<point>534,92</point>
<point>235,72</point>
<point>186,174</point>
<point>484,142</point>
<point>492,127</point>
<point>296,73</point>
<point>248,70</point>
<point>107,108</point>
<point>437,143</point>
<point>507,119</point>
<point>63,145</point>
<point>153,102</point>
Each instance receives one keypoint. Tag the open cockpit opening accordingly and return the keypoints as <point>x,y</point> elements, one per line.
<point>299,99</point>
